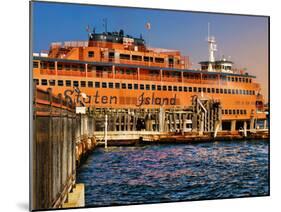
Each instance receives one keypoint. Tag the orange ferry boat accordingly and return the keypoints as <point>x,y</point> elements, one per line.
<point>114,70</point>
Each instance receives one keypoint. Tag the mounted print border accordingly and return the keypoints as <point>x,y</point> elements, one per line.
<point>139,106</point>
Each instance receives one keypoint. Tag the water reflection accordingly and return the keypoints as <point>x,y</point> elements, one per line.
<point>156,173</point>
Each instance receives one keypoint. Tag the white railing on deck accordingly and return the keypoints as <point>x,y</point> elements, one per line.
<point>69,44</point>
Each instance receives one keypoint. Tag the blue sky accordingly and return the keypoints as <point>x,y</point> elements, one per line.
<point>243,38</point>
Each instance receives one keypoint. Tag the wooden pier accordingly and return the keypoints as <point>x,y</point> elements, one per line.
<point>55,140</point>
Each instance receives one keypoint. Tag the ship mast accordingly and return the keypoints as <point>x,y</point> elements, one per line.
<point>212,49</point>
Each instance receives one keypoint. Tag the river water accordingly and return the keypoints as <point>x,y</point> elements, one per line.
<point>166,173</point>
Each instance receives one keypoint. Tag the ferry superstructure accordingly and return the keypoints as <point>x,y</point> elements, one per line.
<point>116,71</point>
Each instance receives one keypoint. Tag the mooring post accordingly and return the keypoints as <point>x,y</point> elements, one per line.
<point>245,128</point>
<point>264,124</point>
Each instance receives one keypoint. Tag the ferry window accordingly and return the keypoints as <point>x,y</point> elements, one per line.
<point>145,58</point>
<point>226,111</point>
<point>229,91</point>
<point>91,67</point>
<point>136,86</point>
<point>104,85</point>
<point>111,55</point>
<point>241,111</point>
<point>142,86</point>
<point>130,86</point>
<point>234,112</point>
<point>60,82</point>
<point>52,82</point>
<point>250,80</point>
<point>36,81</point>
<point>199,89</point>
<point>136,57</point>
<point>125,56</point>
<point>90,53</point>
<point>110,84</point>
<point>208,90</point>
<point>128,72</point>
<point>225,91</point>
<point>190,89</point>
<point>253,92</point>
<point>67,67</point>
<point>232,79</point>
<point>185,89</point>
<point>230,112</point>
<point>75,83</point>
<point>204,90</point>
<point>90,84</point>
<point>240,91</point>
<point>217,90</point>
<point>147,87</point>
<point>236,91</point>
<point>74,67</point>
<point>175,88</point>
<point>221,90</point>
<point>117,85</point>
<point>245,112</point>
<point>83,84</point>
<point>213,90</point>
<point>59,66</point>
<point>159,60</point>
<point>233,91</point>
<point>239,79</point>
<point>246,79</point>
<point>67,83</point>
<point>82,68</point>
<point>169,88</point>
<point>159,87</point>
<point>244,92</point>
<point>35,64</point>
<point>43,65</point>
<point>195,89</point>
<point>97,84</point>
<point>180,88</point>
<point>52,66</point>
<point>123,85</point>
<point>44,82</point>
<point>243,79</point>
<point>237,111</point>
<point>164,87</point>
<point>236,79</point>
<point>153,87</point>
<point>167,74</point>
<point>222,111</point>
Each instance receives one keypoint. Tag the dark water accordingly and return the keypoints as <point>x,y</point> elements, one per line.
<point>164,173</point>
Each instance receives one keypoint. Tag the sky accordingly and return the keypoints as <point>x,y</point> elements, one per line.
<point>242,39</point>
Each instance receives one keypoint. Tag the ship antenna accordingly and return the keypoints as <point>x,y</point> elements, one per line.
<point>88,29</point>
<point>105,24</point>
<point>212,49</point>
